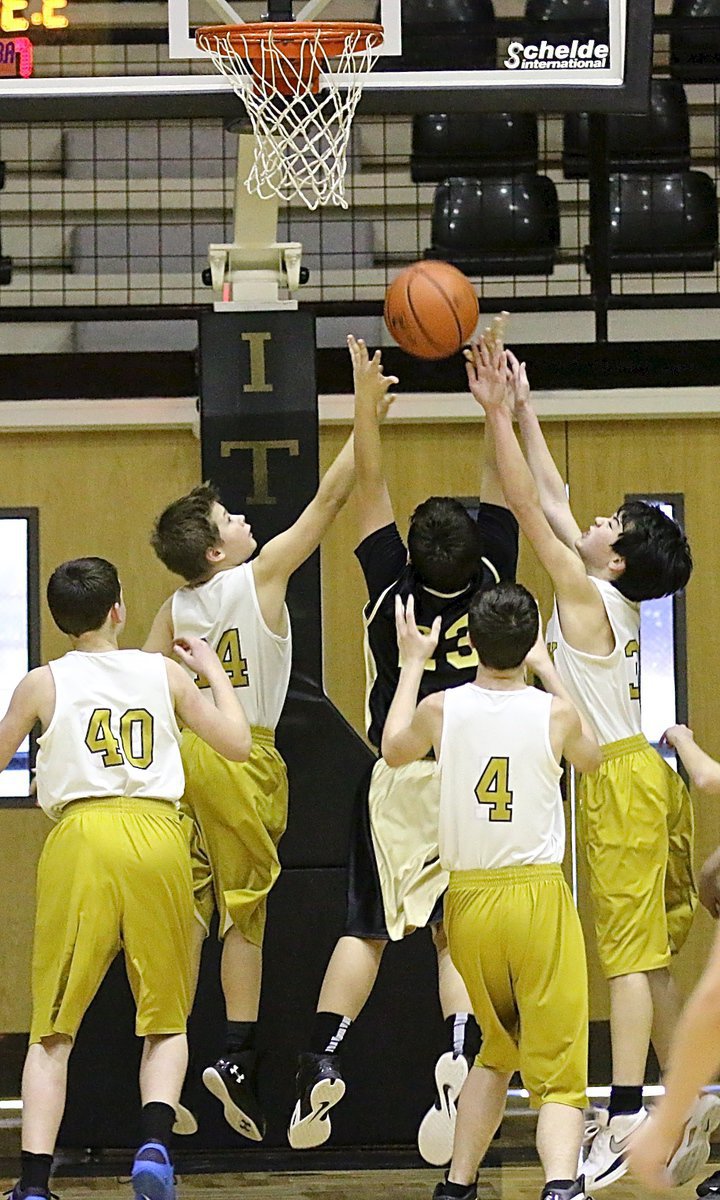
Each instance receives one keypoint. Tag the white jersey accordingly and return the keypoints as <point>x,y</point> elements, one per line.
<point>113,731</point>
<point>500,802</point>
<point>225,611</point>
<point>606,689</point>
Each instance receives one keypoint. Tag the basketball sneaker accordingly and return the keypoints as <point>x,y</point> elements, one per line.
<point>595,1120</point>
<point>575,1192</point>
<point>694,1149</point>
<point>231,1080</point>
<point>319,1086</point>
<point>437,1128</point>
<point>710,1186</point>
<point>607,1159</point>
<point>30,1193</point>
<point>152,1176</point>
<point>441,1192</point>
<point>185,1121</point>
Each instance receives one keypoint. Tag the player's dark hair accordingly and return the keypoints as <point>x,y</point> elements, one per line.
<point>503,623</point>
<point>185,532</point>
<point>444,544</point>
<point>80,594</point>
<point>657,556</point>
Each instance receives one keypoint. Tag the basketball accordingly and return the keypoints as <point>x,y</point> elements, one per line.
<point>431,309</point>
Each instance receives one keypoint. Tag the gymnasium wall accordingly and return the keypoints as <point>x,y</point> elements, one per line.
<point>99,491</point>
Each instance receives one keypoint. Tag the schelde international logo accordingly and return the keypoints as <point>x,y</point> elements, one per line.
<point>568,56</point>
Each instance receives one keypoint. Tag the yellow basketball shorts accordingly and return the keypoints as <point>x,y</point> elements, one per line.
<point>515,937</point>
<point>240,811</point>
<point>113,873</point>
<point>636,827</point>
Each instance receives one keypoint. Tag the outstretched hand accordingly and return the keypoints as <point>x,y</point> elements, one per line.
<point>368,377</point>
<point>414,645</point>
<point>650,1152</point>
<point>196,654</point>
<point>518,385</point>
<point>487,372</point>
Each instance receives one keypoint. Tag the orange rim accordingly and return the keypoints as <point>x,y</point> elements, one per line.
<point>250,40</point>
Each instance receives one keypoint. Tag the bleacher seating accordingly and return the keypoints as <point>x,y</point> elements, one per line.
<point>473,144</point>
<point>497,226</point>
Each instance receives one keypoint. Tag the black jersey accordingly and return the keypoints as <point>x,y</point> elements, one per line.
<point>383,558</point>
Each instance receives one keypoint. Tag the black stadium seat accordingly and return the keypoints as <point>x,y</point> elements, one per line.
<point>657,141</point>
<point>695,56</point>
<point>497,226</point>
<point>477,144</point>
<point>444,35</point>
<point>662,222</point>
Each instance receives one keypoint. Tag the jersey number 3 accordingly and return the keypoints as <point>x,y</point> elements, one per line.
<point>135,744</point>
<point>492,788</point>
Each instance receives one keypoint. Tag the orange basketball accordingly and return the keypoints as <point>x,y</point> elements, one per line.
<point>431,309</point>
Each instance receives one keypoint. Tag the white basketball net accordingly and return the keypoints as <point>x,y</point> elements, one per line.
<point>301,137</point>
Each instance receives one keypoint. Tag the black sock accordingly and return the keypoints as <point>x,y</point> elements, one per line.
<point>35,1170</point>
<point>157,1120</point>
<point>328,1031</point>
<point>625,1099</point>
<point>239,1036</point>
<point>463,1034</point>
<point>457,1190</point>
<point>557,1185</point>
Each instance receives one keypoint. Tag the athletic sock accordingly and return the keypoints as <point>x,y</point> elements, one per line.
<point>328,1032</point>
<point>157,1120</point>
<point>624,1099</point>
<point>239,1036</point>
<point>557,1185</point>
<point>463,1034</point>
<point>35,1170</point>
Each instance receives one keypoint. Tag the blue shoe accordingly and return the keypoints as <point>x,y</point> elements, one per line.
<point>153,1176</point>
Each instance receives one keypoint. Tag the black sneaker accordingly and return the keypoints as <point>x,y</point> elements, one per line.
<point>30,1193</point>
<point>319,1086</point>
<point>710,1186</point>
<point>575,1192</point>
<point>441,1192</point>
<point>231,1080</point>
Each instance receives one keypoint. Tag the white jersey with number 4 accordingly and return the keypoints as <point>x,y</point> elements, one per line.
<point>113,731</point>
<point>605,688</point>
<point>500,802</point>
<point>225,611</point>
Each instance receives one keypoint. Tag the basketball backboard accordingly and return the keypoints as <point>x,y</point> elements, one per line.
<point>91,59</point>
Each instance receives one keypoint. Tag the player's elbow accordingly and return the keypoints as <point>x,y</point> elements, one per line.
<point>587,759</point>
<point>707,780</point>
<point>239,747</point>
<point>392,753</point>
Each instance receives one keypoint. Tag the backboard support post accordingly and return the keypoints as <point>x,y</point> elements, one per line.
<point>249,273</point>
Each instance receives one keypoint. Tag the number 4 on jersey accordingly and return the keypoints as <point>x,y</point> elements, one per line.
<point>230,655</point>
<point>492,788</point>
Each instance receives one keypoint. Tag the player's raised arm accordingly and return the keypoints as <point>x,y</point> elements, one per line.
<point>34,693</point>
<point>549,481</point>
<point>487,379</point>
<point>289,550</point>
<point>491,491</point>
<point>374,506</point>
<point>222,724</point>
<point>412,729</point>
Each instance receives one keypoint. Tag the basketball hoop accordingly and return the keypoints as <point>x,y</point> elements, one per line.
<point>301,122</point>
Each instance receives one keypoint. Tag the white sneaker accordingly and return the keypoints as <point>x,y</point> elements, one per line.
<point>185,1122</point>
<point>437,1128</point>
<point>595,1120</point>
<point>694,1149</point>
<point>607,1160</point>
